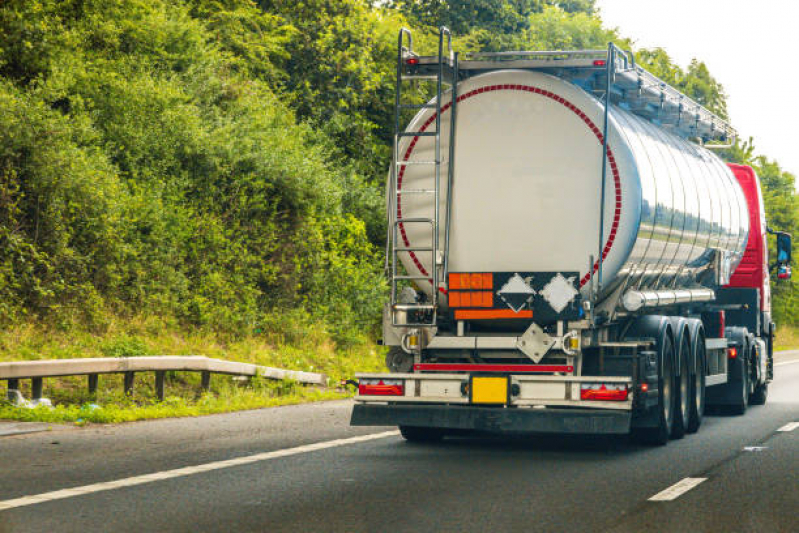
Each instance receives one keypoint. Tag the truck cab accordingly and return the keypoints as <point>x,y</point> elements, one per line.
<point>751,281</point>
<point>753,270</point>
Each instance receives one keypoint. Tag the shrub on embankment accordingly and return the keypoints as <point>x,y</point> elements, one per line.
<point>146,167</point>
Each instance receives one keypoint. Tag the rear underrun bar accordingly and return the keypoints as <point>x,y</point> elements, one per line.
<point>475,367</point>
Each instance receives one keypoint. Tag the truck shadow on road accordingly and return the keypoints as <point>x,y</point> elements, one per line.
<point>577,444</point>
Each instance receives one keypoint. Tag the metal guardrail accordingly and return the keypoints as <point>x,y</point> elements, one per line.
<point>36,371</point>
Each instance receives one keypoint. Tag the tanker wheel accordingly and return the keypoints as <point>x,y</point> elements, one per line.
<point>659,435</point>
<point>698,386</point>
<point>421,434</point>
<point>742,391</point>
<point>759,392</point>
<point>752,366</point>
<point>682,390</point>
<point>760,395</point>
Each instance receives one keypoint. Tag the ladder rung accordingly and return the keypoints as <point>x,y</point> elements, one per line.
<point>420,77</point>
<point>415,249</point>
<point>418,106</point>
<point>405,163</point>
<point>412,307</point>
<point>445,80</point>
<point>417,134</point>
<point>411,277</point>
<point>416,191</point>
<point>402,220</point>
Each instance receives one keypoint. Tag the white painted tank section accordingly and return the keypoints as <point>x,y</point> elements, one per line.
<point>527,181</point>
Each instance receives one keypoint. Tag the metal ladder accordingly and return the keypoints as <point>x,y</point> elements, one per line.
<point>422,313</point>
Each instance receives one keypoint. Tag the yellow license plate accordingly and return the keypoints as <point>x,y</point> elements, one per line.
<point>489,390</point>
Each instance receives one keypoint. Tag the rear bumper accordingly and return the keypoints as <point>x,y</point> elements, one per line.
<point>495,420</point>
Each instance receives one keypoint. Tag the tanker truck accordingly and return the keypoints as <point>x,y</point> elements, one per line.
<point>566,253</point>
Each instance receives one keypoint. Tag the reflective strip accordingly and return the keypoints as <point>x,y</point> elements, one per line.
<point>488,314</point>
<point>473,367</point>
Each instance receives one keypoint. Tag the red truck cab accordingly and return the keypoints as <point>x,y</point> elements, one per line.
<point>753,270</point>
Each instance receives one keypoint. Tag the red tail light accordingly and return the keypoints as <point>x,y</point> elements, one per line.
<point>600,62</point>
<point>381,387</point>
<point>606,392</point>
<point>412,61</point>
<point>732,353</point>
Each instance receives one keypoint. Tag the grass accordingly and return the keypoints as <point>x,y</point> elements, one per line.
<point>294,343</point>
<point>787,338</point>
<point>123,409</point>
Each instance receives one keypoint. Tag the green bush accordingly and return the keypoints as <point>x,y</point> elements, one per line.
<point>146,163</point>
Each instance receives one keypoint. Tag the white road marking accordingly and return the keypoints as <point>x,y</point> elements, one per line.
<point>187,471</point>
<point>678,489</point>
<point>755,448</point>
<point>789,426</point>
<point>787,363</point>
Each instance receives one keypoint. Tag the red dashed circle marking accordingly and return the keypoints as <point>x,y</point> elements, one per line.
<point>552,96</point>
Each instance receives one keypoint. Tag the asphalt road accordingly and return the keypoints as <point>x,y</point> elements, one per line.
<point>287,469</point>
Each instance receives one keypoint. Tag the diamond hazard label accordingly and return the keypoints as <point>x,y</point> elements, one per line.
<point>559,292</point>
<point>516,293</point>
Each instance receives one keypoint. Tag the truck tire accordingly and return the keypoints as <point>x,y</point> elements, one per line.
<point>660,434</point>
<point>760,395</point>
<point>421,434</point>
<point>698,384</point>
<point>758,391</point>
<point>682,390</point>
<point>742,392</point>
<point>752,368</point>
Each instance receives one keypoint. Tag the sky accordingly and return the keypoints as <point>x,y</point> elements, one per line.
<point>750,46</point>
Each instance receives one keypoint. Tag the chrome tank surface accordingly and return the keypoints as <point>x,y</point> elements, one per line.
<point>526,190</point>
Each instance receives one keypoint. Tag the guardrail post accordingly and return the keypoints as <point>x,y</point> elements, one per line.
<point>159,384</point>
<point>93,383</point>
<point>13,384</point>
<point>37,384</point>
<point>206,381</point>
<point>129,382</point>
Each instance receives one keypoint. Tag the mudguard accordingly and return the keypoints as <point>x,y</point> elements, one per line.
<point>650,327</point>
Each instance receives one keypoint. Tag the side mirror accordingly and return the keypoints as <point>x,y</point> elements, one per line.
<point>783,255</point>
<point>783,248</point>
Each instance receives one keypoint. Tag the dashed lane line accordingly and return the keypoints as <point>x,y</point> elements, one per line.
<point>789,427</point>
<point>676,490</point>
<point>187,471</point>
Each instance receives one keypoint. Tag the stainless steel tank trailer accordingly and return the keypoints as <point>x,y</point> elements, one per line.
<point>566,252</point>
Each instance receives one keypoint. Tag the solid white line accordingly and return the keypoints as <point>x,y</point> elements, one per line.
<point>787,363</point>
<point>789,427</point>
<point>187,471</point>
<point>676,490</point>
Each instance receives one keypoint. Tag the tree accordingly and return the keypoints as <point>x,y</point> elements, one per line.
<point>495,16</point>
<point>696,82</point>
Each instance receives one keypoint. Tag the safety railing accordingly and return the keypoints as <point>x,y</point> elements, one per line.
<point>36,371</point>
